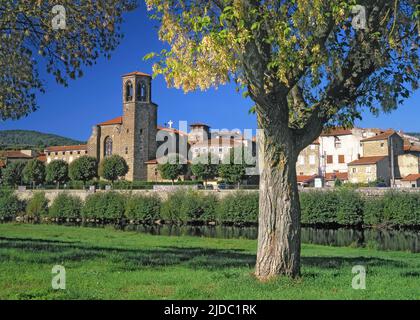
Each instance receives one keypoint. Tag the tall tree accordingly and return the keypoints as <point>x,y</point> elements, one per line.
<point>113,167</point>
<point>306,64</point>
<point>13,173</point>
<point>34,172</point>
<point>205,166</point>
<point>172,168</point>
<point>65,38</point>
<point>57,172</point>
<point>83,169</point>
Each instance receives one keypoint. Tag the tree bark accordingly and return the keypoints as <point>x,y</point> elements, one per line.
<point>279,208</point>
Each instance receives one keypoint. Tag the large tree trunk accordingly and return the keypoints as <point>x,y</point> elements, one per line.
<point>279,212</point>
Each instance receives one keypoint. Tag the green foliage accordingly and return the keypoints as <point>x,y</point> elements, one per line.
<point>66,206</point>
<point>319,207</point>
<point>172,169</point>
<point>57,172</point>
<point>92,30</point>
<point>113,167</point>
<point>401,208</point>
<point>144,208</point>
<point>349,207</point>
<point>83,169</point>
<point>104,205</point>
<point>240,207</point>
<point>205,167</point>
<point>34,172</point>
<point>374,211</point>
<point>182,206</point>
<point>37,206</point>
<point>13,173</point>
<point>27,139</point>
<point>10,205</point>
<point>233,166</point>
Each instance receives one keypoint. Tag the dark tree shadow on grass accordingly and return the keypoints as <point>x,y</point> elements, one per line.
<point>126,259</point>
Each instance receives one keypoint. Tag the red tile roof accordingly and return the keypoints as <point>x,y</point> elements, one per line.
<point>42,157</point>
<point>332,176</point>
<point>408,148</point>
<point>14,154</point>
<point>306,179</point>
<point>66,148</point>
<point>382,136</point>
<point>367,160</point>
<point>176,131</point>
<point>137,73</point>
<point>412,177</point>
<point>336,132</point>
<point>117,120</point>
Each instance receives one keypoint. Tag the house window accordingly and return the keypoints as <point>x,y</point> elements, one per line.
<point>341,158</point>
<point>382,145</point>
<point>108,146</point>
<point>337,144</point>
<point>329,159</point>
<point>126,150</point>
<point>354,170</point>
<point>312,160</point>
<point>368,170</point>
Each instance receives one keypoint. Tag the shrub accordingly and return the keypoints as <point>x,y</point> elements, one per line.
<point>83,169</point>
<point>66,206</point>
<point>374,211</point>
<point>189,206</point>
<point>34,172</point>
<point>10,204</point>
<point>57,172</point>
<point>12,175</point>
<point>240,207</point>
<point>319,207</point>
<point>349,208</point>
<point>145,208</point>
<point>172,209</point>
<point>401,208</point>
<point>106,205</point>
<point>37,206</point>
<point>113,167</point>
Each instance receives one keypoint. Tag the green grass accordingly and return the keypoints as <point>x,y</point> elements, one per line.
<point>110,264</point>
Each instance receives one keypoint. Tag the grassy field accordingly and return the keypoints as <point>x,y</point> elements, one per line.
<point>110,264</point>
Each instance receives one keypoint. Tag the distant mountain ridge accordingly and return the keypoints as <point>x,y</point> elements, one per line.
<point>414,134</point>
<point>28,139</point>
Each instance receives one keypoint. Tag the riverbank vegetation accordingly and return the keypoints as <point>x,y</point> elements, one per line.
<point>341,207</point>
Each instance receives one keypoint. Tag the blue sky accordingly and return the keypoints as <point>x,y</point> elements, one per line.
<point>96,97</point>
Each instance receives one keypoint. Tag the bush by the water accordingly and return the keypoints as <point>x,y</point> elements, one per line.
<point>104,205</point>
<point>37,206</point>
<point>10,205</point>
<point>144,208</point>
<point>189,206</point>
<point>66,206</point>
<point>240,207</point>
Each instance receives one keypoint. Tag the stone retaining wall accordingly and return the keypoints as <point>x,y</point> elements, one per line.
<point>163,194</point>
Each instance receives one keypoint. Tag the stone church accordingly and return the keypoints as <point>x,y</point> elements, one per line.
<point>136,136</point>
<point>133,135</point>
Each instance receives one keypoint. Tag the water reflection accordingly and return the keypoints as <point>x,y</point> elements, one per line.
<point>372,238</point>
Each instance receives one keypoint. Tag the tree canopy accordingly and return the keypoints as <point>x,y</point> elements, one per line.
<point>113,167</point>
<point>29,39</point>
<point>308,52</point>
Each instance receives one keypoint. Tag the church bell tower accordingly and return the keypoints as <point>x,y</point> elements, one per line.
<point>139,124</point>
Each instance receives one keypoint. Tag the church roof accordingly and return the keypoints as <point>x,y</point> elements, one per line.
<point>137,73</point>
<point>66,148</point>
<point>117,120</point>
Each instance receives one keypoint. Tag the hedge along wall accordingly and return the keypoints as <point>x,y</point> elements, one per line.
<point>341,206</point>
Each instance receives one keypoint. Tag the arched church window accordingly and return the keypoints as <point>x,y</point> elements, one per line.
<point>128,91</point>
<point>141,92</point>
<point>108,146</point>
